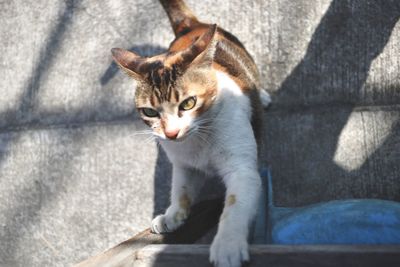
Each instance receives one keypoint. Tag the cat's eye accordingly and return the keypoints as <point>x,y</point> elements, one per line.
<point>149,112</point>
<point>188,103</point>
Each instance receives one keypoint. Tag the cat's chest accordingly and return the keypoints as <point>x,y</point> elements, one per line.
<point>229,131</point>
<point>193,153</point>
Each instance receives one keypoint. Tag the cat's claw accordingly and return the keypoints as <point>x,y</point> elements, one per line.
<point>159,225</point>
<point>229,251</point>
<point>166,224</point>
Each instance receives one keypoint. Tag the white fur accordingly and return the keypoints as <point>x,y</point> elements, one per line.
<point>265,98</point>
<point>226,147</point>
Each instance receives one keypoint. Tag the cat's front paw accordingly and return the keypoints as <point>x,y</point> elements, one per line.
<point>229,251</point>
<point>168,222</point>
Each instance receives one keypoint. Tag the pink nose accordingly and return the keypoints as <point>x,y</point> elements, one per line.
<point>171,134</point>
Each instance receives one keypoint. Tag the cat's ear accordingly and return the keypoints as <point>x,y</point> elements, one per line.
<point>201,52</point>
<point>133,64</point>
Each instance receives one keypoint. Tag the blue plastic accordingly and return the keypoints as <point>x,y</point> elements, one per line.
<point>361,221</point>
<point>366,221</point>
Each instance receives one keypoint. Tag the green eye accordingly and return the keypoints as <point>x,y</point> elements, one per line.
<point>149,112</point>
<point>188,104</point>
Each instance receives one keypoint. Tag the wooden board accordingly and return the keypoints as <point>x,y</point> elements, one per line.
<point>274,256</point>
<point>204,216</point>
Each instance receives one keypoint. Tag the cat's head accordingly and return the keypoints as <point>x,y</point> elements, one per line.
<point>175,88</point>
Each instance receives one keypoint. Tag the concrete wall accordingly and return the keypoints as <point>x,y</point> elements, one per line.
<point>76,175</point>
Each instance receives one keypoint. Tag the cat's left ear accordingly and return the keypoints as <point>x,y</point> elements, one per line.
<point>133,64</point>
<point>201,52</point>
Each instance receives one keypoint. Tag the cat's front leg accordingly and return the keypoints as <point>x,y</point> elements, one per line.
<point>230,247</point>
<point>185,186</point>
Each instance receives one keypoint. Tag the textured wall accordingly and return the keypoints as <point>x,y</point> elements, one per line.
<point>334,131</point>
<point>76,176</point>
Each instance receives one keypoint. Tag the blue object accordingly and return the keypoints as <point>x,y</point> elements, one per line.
<point>354,221</point>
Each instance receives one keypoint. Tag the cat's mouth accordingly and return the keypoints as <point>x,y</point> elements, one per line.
<point>182,135</point>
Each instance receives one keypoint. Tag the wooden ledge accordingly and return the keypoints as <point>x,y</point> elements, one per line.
<point>274,256</point>
<point>150,250</point>
<point>204,216</point>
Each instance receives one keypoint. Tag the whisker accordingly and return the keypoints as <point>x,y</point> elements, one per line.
<point>149,139</point>
<point>145,132</point>
<point>211,130</point>
<point>203,138</point>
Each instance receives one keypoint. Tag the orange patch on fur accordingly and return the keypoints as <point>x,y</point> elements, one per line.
<point>231,199</point>
<point>186,40</point>
<point>184,202</point>
<point>180,216</point>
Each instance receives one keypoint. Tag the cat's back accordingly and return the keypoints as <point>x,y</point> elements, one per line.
<point>231,57</point>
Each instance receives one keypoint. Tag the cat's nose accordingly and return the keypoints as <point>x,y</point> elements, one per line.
<point>171,134</point>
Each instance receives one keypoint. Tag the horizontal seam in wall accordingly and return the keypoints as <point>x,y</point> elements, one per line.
<point>68,125</point>
<point>286,109</point>
<point>279,110</point>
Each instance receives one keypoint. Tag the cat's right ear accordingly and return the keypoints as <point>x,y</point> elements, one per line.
<point>201,52</point>
<point>133,64</point>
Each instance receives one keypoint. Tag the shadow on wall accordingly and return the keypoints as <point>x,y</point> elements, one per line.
<point>28,99</point>
<point>42,192</point>
<point>22,216</point>
<point>339,56</point>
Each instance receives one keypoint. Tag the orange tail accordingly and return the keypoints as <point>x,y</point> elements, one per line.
<point>180,16</point>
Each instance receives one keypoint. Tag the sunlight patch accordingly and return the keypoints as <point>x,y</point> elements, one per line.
<point>363,134</point>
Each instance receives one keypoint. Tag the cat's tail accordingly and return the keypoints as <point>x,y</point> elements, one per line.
<point>181,17</point>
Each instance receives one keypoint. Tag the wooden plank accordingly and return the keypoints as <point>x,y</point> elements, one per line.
<point>274,256</point>
<point>204,216</point>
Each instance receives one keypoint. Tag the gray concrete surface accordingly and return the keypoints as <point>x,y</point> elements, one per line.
<point>76,178</point>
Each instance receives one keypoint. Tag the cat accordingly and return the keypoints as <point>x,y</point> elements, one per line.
<point>203,101</point>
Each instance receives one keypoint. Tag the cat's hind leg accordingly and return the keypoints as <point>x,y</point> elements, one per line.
<point>186,184</point>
